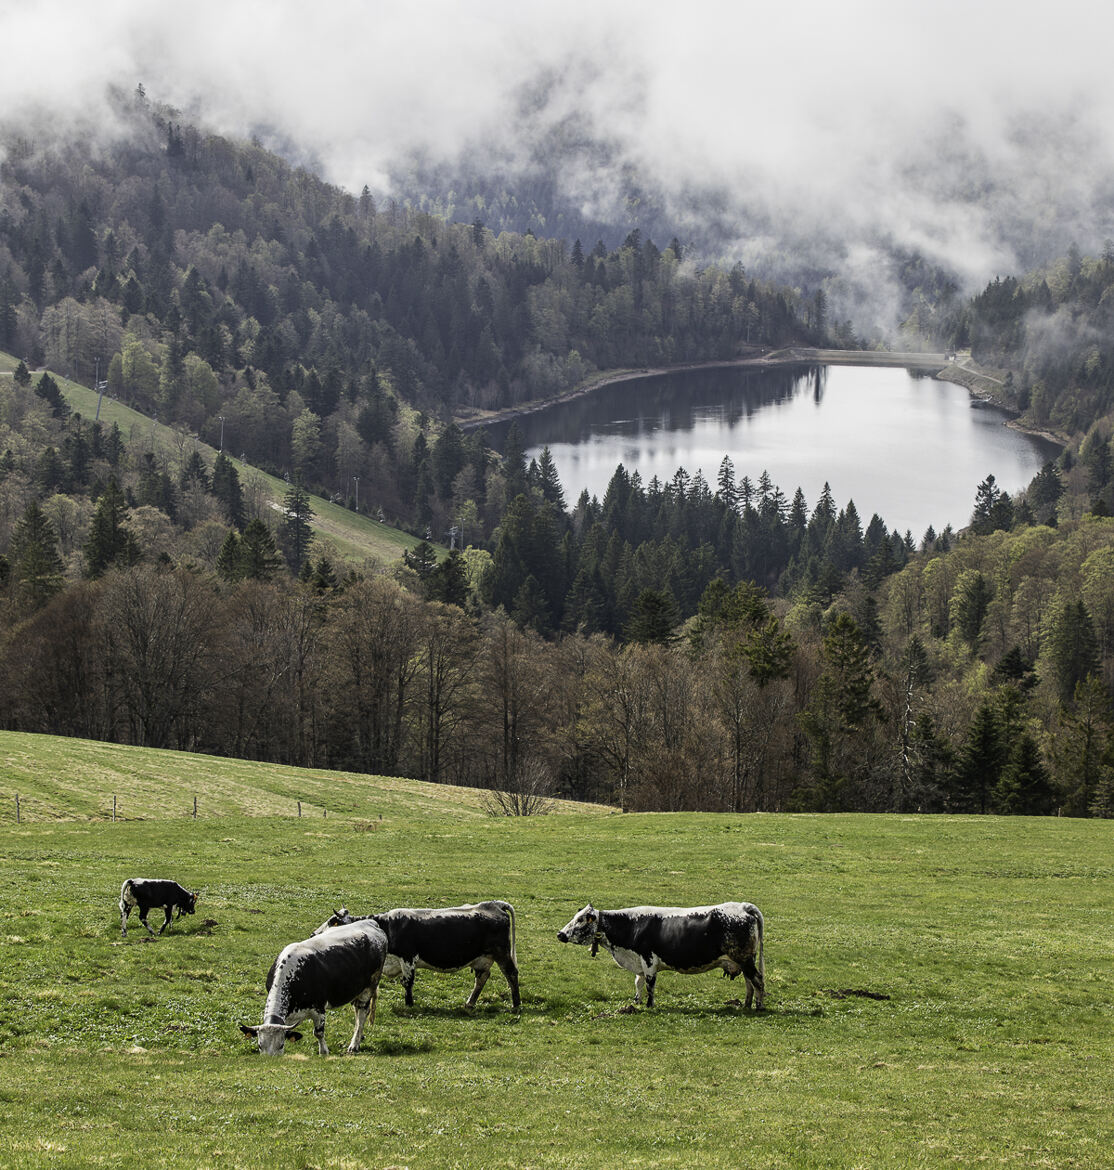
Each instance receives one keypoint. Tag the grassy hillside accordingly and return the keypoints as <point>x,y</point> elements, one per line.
<point>355,538</point>
<point>939,988</point>
<point>66,779</point>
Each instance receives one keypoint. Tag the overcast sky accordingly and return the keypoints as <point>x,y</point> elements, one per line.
<point>935,123</point>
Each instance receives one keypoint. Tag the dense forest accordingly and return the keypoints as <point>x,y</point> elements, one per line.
<point>679,644</point>
<point>211,284</point>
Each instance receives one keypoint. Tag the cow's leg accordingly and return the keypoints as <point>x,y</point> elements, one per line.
<point>407,976</point>
<point>510,972</point>
<point>651,979</point>
<point>756,985</point>
<point>143,918</point>
<point>483,971</point>
<point>639,983</point>
<point>361,1004</point>
<point>318,1019</point>
<point>125,910</point>
<point>166,921</point>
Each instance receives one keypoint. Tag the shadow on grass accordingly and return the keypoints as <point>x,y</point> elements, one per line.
<point>441,1012</point>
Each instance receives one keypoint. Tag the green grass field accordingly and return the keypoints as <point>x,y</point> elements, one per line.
<point>939,989</point>
<point>355,539</point>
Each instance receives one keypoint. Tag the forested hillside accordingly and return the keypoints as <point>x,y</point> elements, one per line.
<point>214,285</point>
<point>683,644</point>
<point>1051,334</point>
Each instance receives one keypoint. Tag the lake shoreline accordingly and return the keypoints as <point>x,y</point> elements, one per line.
<point>759,359</point>
<point>963,373</point>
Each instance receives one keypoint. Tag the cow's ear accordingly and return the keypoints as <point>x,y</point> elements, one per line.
<point>248,1030</point>
<point>292,1035</point>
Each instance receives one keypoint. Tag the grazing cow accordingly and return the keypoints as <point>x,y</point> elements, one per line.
<point>649,939</point>
<point>147,893</point>
<point>448,939</point>
<point>326,971</point>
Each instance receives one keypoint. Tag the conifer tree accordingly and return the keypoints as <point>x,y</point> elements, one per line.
<point>260,558</point>
<point>230,559</point>
<point>654,617</point>
<point>297,535</point>
<point>36,567</point>
<point>1024,787</point>
<point>980,763</point>
<point>448,583</point>
<point>226,487</point>
<point>110,542</point>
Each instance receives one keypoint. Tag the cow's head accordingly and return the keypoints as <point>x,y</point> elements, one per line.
<point>583,927</point>
<point>339,917</point>
<point>189,905</point>
<point>271,1038</point>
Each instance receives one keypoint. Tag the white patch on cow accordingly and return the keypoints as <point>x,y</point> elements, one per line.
<point>628,960</point>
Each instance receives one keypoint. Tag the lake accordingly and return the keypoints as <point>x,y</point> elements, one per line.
<point>910,448</point>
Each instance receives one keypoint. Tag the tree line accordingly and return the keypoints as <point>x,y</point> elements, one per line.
<point>754,705</point>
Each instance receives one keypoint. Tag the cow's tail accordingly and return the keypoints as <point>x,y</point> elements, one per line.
<point>510,914</point>
<point>125,890</point>
<point>761,944</point>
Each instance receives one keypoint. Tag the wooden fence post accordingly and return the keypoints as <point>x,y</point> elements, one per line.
<point>17,808</point>
<point>299,808</point>
<point>195,808</point>
<point>114,810</point>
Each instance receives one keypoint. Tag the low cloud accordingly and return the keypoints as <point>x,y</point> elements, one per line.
<point>981,136</point>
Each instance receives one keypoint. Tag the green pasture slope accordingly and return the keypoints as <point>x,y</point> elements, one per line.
<point>352,538</point>
<point>940,989</point>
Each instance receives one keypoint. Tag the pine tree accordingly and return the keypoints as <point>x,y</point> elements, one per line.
<point>109,542</point>
<point>986,500</point>
<point>230,559</point>
<point>324,576</point>
<point>980,764</point>
<point>549,481</point>
<point>47,388</point>
<point>1070,646</point>
<point>514,462</point>
<point>260,558</point>
<point>226,487</point>
<point>448,583</point>
<point>297,534</point>
<point>36,567</point>
<point>654,617</point>
<point>1024,787</point>
<point>422,559</point>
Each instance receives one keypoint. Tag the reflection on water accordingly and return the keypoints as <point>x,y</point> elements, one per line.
<point>911,449</point>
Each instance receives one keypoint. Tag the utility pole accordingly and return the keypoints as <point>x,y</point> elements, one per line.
<point>357,479</point>
<point>221,417</point>
<point>100,386</point>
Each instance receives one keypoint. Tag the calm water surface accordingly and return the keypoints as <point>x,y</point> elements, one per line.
<point>911,449</point>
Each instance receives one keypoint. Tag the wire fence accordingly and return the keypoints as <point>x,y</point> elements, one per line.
<point>116,812</point>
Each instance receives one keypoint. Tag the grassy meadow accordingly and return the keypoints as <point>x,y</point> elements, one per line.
<point>939,989</point>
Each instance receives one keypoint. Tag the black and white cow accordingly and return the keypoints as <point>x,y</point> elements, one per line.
<point>325,971</point>
<point>148,893</point>
<point>447,939</point>
<point>649,939</point>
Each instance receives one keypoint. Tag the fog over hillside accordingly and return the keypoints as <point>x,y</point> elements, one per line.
<point>803,139</point>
